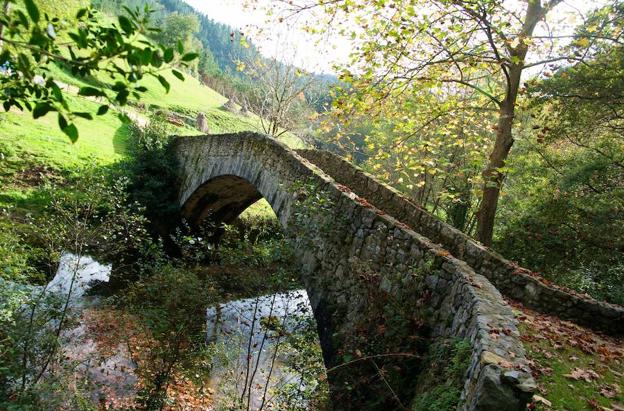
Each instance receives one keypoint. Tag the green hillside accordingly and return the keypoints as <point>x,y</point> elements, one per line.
<point>105,137</point>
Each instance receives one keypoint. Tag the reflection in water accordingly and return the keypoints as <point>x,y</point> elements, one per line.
<point>266,351</point>
<point>105,376</point>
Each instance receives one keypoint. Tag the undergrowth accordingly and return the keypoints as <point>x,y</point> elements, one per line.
<point>443,376</point>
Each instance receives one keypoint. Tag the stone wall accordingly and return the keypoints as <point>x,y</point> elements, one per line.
<point>376,286</point>
<point>513,281</point>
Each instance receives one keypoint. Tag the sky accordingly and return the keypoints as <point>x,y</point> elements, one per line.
<point>289,43</point>
<point>286,42</point>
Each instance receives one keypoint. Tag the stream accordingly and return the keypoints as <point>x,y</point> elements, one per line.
<point>254,343</point>
<point>254,337</point>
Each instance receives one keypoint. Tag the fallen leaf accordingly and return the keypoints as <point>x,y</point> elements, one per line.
<point>609,390</point>
<point>542,400</point>
<point>581,374</point>
<point>593,404</point>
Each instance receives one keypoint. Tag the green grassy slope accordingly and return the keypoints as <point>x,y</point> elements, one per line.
<point>102,140</point>
<point>105,137</point>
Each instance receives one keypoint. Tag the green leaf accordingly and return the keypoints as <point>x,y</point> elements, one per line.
<point>91,92</point>
<point>37,39</point>
<point>72,132</point>
<point>122,96</point>
<point>157,58</point>
<point>126,24</point>
<point>56,92</point>
<point>102,110</point>
<point>168,55</point>
<point>146,56</point>
<point>130,12</point>
<point>190,56</point>
<point>86,116</point>
<point>163,81</point>
<point>23,19</point>
<point>179,75</point>
<point>62,121</point>
<point>180,47</point>
<point>32,9</point>
<point>41,109</point>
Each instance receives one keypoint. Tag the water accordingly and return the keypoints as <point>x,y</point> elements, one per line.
<point>76,275</point>
<point>252,342</point>
<point>254,345</point>
<point>73,278</point>
<point>112,375</point>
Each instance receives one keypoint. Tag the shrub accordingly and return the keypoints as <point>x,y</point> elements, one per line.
<point>152,173</point>
<point>171,301</point>
<point>441,381</point>
<point>89,214</point>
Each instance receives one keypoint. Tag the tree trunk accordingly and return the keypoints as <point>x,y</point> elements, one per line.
<point>492,177</point>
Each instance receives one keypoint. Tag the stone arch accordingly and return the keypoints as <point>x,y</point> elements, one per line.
<point>360,265</point>
<point>226,187</point>
<point>222,198</point>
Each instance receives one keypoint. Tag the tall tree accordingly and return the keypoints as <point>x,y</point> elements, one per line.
<point>176,27</point>
<point>449,46</point>
<point>567,173</point>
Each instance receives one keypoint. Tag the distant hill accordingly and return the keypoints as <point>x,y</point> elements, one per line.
<point>221,40</point>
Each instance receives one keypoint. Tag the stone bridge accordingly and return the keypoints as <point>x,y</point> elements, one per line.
<point>386,279</point>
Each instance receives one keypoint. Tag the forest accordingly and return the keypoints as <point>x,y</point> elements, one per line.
<point>482,135</point>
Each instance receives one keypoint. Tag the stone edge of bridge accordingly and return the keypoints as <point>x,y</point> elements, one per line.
<point>515,282</point>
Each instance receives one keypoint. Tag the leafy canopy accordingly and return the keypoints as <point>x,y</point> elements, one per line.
<point>31,40</point>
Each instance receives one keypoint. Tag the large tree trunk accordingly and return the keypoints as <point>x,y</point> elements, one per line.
<point>492,177</point>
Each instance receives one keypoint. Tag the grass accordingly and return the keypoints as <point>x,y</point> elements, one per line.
<point>442,377</point>
<point>102,140</point>
<point>191,97</point>
<point>189,93</point>
<point>259,209</point>
<point>575,368</point>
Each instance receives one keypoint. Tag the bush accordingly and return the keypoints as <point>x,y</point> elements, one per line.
<point>18,260</point>
<point>152,173</point>
<point>569,226</point>
<point>171,301</point>
<point>88,214</point>
<point>441,381</point>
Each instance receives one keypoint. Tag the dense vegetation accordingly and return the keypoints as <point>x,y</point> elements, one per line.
<point>530,163</point>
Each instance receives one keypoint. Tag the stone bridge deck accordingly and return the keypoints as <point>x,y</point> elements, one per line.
<point>385,278</point>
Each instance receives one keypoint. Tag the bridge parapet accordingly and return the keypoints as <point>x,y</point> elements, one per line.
<point>379,290</point>
<point>513,281</point>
